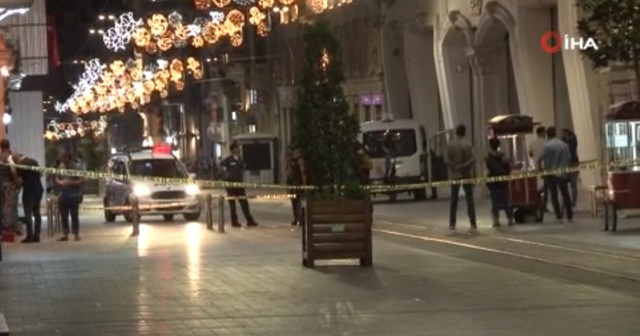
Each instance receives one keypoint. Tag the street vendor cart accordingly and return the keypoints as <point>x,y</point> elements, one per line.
<point>622,151</point>
<point>524,195</point>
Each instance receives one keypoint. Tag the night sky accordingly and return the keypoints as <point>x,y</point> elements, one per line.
<point>74,18</point>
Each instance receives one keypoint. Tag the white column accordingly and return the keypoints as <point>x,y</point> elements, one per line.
<point>582,84</point>
<point>423,81</point>
<point>535,67</point>
<point>394,70</point>
<point>453,72</point>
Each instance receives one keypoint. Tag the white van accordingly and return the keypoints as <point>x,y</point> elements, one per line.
<point>410,140</point>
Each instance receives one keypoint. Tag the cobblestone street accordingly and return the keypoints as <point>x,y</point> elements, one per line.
<point>179,279</point>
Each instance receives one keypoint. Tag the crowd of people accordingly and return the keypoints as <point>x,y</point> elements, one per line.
<point>15,180</point>
<point>547,152</point>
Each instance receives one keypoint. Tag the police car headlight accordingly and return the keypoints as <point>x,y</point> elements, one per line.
<point>192,190</point>
<point>141,190</point>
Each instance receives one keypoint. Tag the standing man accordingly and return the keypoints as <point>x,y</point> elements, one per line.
<point>572,141</point>
<point>32,191</point>
<point>296,177</point>
<point>460,160</point>
<point>233,167</point>
<point>10,188</point>
<point>535,152</point>
<point>69,194</point>
<point>556,155</point>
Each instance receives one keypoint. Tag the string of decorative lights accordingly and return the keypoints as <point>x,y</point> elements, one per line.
<point>104,88</point>
<point>162,32</point>
<point>57,131</point>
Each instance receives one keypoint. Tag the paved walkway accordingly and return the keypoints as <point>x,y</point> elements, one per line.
<point>179,279</point>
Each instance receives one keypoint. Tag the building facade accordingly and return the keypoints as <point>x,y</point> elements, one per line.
<point>449,62</point>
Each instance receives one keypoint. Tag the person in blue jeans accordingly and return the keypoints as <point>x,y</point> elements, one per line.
<point>498,165</point>
<point>460,160</point>
<point>69,194</point>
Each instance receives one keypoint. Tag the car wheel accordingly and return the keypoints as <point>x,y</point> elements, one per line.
<point>109,216</point>
<point>168,217</point>
<point>192,216</point>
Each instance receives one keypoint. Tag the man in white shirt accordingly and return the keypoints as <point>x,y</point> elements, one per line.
<point>536,149</point>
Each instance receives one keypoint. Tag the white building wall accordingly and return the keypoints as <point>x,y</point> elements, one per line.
<point>460,37</point>
<point>25,132</point>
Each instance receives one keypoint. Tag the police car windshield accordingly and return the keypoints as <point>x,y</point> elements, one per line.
<point>158,168</point>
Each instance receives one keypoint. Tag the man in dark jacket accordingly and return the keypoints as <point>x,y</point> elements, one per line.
<point>572,141</point>
<point>32,191</point>
<point>498,165</point>
<point>233,167</point>
<point>69,197</point>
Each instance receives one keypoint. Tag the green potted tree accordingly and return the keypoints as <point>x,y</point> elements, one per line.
<point>615,25</point>
<point>338,217</point>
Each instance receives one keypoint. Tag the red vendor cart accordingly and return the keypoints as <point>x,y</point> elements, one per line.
<point>622,152</point>
<point>524,194</point>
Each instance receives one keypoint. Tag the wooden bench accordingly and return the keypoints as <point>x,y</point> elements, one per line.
<point>337,230</point>
<point>4,328</point>
<point>598,193</point>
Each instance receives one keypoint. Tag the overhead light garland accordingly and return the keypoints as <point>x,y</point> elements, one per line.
<point>119,36</point>
<point>57,131</point>
<point>121,84</point>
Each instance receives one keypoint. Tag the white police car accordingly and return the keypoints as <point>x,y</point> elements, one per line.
<point>153,198</point>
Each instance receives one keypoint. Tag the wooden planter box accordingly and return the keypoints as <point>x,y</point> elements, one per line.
<point>337,230</point>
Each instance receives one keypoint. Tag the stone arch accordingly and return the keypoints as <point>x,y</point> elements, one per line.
<point>453,43</point>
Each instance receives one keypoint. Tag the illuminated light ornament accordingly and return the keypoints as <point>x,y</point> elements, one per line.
<point>318,6</point>
<point>197,42</point>
<point>236,39</point>
<point>158,24</point>
<point>151,48</point>
<point>174,19</point>
<point>211,33</point>
<point>180,43</point>
<point>202,4</point>
<point>286,2</point>
<point>119,36</point>
<point>195,30</point>
<point>221,3</point>
<point>256,16</point>
<point>245,3</point>
<point>236,17</point>
<point>263,29</point>
<point>165,43</point>
<point>200,22</point>
<point>142,37</point>
<point>162,64</point>
<point>216,16</point>
<point>266,4</point>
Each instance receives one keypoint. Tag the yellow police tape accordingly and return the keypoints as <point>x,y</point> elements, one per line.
<point>589,165</point>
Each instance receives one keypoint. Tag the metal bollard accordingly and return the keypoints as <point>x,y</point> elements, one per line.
<point>208,203</point>
<point>135,217</point>
<point>221,214</point>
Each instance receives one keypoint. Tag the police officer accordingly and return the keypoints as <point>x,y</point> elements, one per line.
<point>233,167</point>
<point>296,177</point>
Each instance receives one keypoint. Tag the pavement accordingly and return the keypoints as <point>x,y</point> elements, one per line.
<point>180,279</point>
